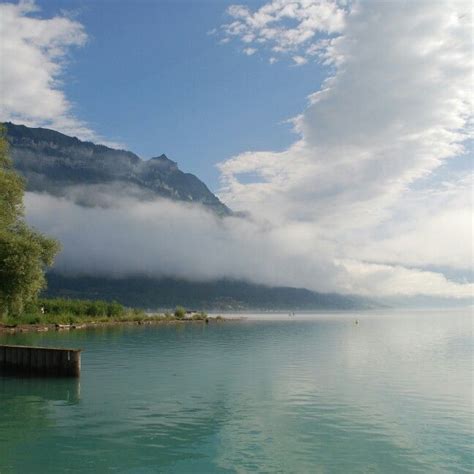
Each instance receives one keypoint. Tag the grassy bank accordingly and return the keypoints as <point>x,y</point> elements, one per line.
<point>78,313</point>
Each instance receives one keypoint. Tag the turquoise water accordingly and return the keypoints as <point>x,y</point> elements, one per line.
<point>313,394</point>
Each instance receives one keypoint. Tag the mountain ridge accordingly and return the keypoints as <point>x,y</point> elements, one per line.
<point>216,295</point>
<point>55,163</point>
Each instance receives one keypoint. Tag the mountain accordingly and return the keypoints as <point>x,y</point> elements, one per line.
<point>218,295</point>
<point>66,166</point>
<point>96,175</point>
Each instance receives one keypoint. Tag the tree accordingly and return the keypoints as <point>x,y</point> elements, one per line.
<point>179,312</point>
<point>24,252</point>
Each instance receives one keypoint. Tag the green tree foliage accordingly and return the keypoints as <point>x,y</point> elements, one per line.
<point>179,312</point>
<point>24,252</point>
<point>11,188</point>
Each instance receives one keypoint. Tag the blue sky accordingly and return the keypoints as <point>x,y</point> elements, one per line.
<point>371,193</point>
<point>150,76</point>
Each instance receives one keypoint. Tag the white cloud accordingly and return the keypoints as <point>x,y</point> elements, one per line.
<point>34,52</point>
<point>301,28</point>
<point>166,238</point>
<point>250,51</point>
<point>299,60</point>
<point>163,238</point>
<point>396,109</point>
<point>430,227</point>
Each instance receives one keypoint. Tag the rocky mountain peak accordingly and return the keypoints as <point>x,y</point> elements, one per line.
<point>55,163</point>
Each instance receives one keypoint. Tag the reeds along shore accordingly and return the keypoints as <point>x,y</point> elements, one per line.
<point>64,314</point>
<point>152,320</point>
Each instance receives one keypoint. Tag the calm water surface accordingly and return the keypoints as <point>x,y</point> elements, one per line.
<point>313,394</point>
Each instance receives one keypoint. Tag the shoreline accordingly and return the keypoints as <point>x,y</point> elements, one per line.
<point>55,327</point>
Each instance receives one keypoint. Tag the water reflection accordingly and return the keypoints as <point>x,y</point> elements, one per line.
<point>313,395</point>
<point>27,413</point>
<point>67,389</point>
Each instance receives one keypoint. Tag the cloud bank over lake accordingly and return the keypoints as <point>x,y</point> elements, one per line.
<point>165,238</point>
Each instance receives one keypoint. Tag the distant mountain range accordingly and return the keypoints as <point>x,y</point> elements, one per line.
<point>95,175</point>
<point>66,166</point>
<point>220,295</point>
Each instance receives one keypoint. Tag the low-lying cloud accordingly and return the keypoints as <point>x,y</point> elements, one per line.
<point>165,238</point>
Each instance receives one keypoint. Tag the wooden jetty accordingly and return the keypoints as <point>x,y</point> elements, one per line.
<point>42,361</point>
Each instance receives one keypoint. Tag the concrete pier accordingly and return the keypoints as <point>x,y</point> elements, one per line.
<point>43,361</point>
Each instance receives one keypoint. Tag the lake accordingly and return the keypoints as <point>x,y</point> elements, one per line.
<point>316,393</point>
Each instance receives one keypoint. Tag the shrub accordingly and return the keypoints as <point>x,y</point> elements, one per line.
<point>200,316</point>
<point>179,312</point>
